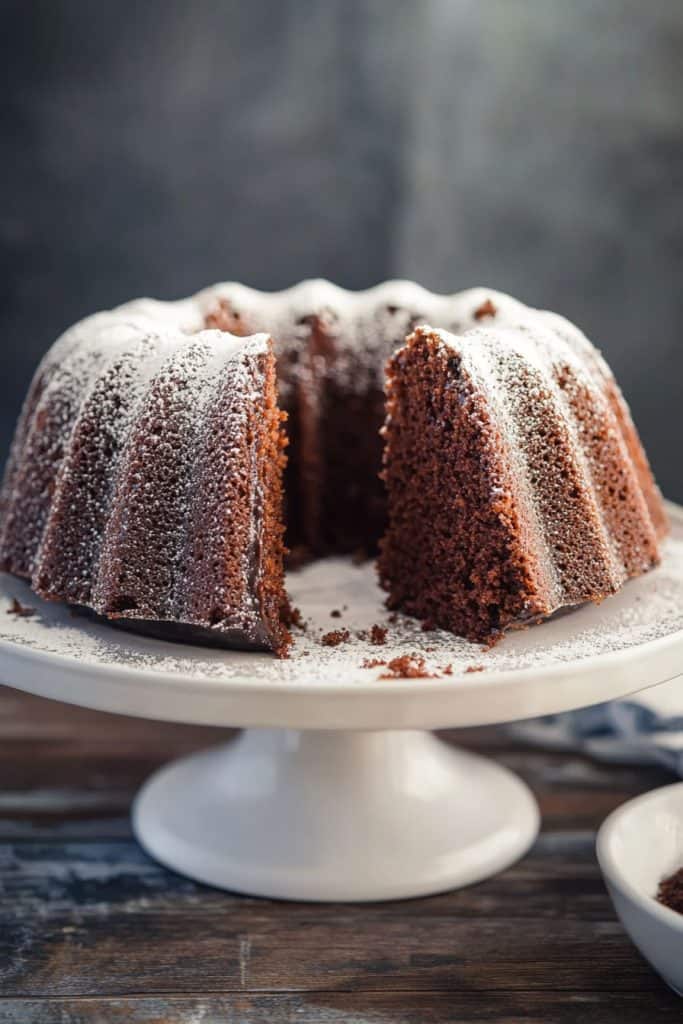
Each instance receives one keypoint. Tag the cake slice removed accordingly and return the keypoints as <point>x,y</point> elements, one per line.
<point>512,488</point>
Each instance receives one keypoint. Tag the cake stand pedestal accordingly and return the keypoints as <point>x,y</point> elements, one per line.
<point>338,790</point>
<point>336,815</point>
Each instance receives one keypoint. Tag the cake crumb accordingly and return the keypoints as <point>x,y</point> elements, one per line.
<point>448,670</point>
<point>475,668</point>
<point>486,309</point>
<point>372,662</point>
<point>335,637</point>
<point>378,634</point>
<point>670,891</point>
<point>22,611</point>
<point>407,666</point>
<point>335,613</point>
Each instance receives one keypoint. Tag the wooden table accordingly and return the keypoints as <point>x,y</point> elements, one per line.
<point>92,930</point>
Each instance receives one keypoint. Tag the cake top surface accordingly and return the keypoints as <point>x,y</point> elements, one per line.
<point>160,322</point>
<point>386,305</point>
<point>367,322</point>
<point>364,326</point>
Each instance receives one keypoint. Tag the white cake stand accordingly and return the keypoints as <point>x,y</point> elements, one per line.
<point>337,790</point>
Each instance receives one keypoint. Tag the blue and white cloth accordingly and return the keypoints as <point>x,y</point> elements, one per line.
<point>645,728</point>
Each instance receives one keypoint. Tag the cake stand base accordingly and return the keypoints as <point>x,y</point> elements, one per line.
<point>318,815</point>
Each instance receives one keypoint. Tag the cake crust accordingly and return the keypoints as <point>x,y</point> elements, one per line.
<point>151,466</point>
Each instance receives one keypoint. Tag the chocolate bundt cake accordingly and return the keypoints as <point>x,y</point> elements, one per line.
<point>144,481</point>
<point>517,484</point>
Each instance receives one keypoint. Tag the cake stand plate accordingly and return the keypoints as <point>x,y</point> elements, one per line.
<point>337,790</point>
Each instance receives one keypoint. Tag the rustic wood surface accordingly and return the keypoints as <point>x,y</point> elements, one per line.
<point>92,930</point>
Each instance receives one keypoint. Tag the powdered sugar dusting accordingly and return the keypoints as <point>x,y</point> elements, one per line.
<point>108,445</point>
<point>526,373</point>
<point>145,531</point>
<point>365,326</point>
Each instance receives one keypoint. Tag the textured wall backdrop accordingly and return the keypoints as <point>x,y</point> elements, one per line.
<point>533,145</point>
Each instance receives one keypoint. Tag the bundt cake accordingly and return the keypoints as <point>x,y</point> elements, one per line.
<point>517,485</point>
<point>144,481</point>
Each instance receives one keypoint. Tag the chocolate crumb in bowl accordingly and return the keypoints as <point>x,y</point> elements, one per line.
<point>670,892</point>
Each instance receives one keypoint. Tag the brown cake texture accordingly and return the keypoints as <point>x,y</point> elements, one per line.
<point>517,485</point>
<point>145,481</point>
<point>332,346</point>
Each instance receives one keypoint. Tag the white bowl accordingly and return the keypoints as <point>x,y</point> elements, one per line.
<point>638,845</point>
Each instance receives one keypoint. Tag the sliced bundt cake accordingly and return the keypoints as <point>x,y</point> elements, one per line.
<point>144,481</point>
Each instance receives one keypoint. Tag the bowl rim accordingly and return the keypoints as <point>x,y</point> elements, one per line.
<point>611,869</point>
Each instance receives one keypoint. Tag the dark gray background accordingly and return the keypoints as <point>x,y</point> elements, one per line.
<point>532,145</point>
